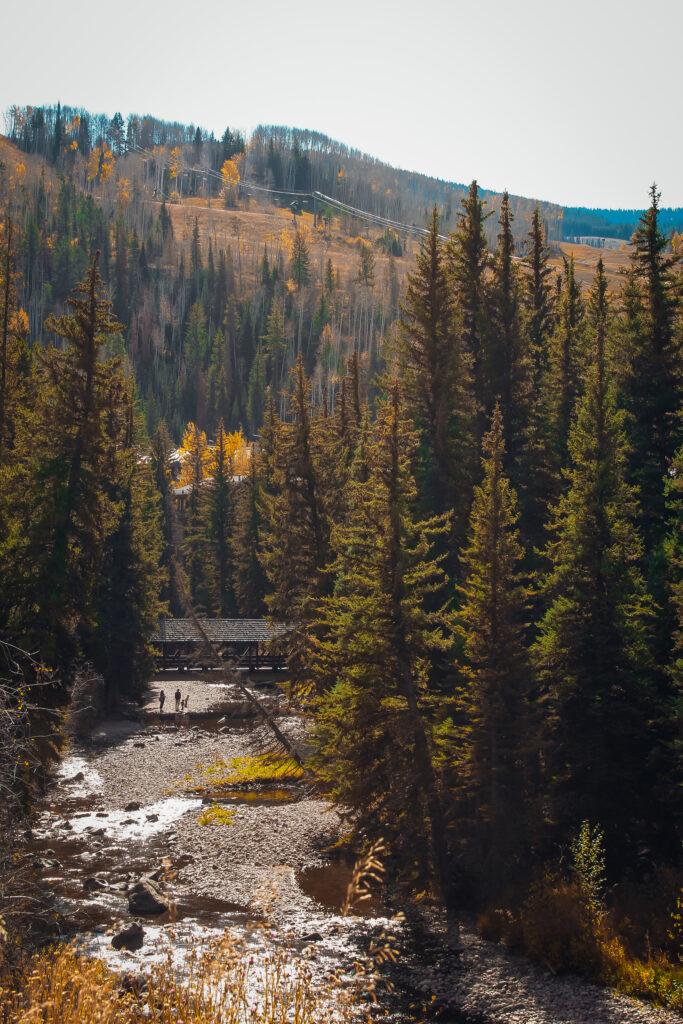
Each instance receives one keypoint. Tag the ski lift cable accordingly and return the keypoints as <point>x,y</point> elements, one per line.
<point>338,204</point>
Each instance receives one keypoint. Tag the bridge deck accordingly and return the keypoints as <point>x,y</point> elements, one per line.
<point>220,631</point>
<point>249,643</point>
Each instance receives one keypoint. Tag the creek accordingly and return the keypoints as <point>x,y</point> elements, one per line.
<point>136,798</point>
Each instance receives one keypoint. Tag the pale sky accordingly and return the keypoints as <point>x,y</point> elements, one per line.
<point>576,103</point>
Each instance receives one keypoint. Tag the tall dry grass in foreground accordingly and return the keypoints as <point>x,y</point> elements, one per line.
<point>223,983</point>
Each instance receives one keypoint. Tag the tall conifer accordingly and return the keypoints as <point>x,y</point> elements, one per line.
<point>495,699</point>
<point>437,383</point>
<point>593,653</point>
<point>376,648</point>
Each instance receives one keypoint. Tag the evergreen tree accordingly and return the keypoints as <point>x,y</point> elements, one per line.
<point>494,703</point>
<point>437,384</point>
<point>195,469</point>
<point>301,261</point>
<point>468,258</point>
<point>593,653</point>
<point>217,511</point>
<point>132,577</point>
<point>373,656</point>
<point>540,298</point>
<point>249,578</point>
<point>366,265</point>
<point>507,374</point>
<point>70,450</point>
<point>654,388</point>
<point>566,365</point>
<point>296,549</point>
<point>14,359</point>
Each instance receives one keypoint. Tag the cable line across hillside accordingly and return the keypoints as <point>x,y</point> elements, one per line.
<point>319,197</point>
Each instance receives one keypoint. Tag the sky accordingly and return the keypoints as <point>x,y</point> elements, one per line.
<point>576,103</point>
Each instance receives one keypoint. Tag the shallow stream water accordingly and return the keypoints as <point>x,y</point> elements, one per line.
<point>131,801</point>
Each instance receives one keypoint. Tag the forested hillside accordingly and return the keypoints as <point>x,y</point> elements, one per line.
<point>465,497</point>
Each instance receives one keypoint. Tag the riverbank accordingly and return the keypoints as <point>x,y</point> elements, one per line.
<point>136,798</point>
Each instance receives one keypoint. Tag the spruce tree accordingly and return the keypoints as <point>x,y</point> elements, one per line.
<point>217,512</point>
<point>14,359</point>
<point>70,450</point>
<point>494,703</point>
<point>540,298</point>
<point>508,373</point>
<point>437,383</point>
<point>296,548</point>
<point>563,381</point>
<point>132,577</point>
<point>468,259</point>
<point>195,469</point>
<point>249,578</point>
<point>374,653</point>
<point>654,389</point>
<point>593,653</point>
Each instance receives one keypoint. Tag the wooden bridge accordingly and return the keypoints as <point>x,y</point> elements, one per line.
<point>246,643</point>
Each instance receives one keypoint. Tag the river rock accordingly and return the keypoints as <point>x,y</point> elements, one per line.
<point>145,897</point>
<point>46,864</point>
<point>132,806</point>
<point>131,937</point>
<point>92,883</point>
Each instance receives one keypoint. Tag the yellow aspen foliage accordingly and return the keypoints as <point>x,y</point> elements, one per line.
<point>291,286</point>
<point>123,191</point>
<point>236,449</point>
<point>175,162</point>
<point>74,145</point>
<point>107,164</point>
<point>94,163</point>
<point>195,455</point>
<point>230,174</point>
<point>20,173</point>
<point>18,324</point>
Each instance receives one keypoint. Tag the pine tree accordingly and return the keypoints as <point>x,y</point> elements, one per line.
<point>437,382</point>
<point>301,262</point>
<point>132,577</point>
<point>540,298</point>
<point>14,359</point>
<point>468,259</point>
<point>249,578</point>
<point>194,471</point>
<point>70,449</point>
<point>593,653</point>
<point>507,372</point>
<point>494,703</point>
<point>373,655</point>
<point>563,381</point>
<point>654,388</point>
<point>217,513</point>
<point>296,548</point>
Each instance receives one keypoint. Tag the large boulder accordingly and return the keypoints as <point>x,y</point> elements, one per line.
<point>131,937</point>
<point>145,897</point>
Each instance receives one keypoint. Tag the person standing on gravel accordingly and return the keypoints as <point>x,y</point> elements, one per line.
<point>178,695</point>
<point>162,699</point>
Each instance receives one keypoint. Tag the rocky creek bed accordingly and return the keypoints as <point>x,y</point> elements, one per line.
<point>126,805</point>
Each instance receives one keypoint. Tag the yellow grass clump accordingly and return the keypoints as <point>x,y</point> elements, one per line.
<point>223,982</point>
